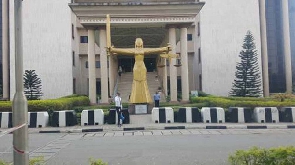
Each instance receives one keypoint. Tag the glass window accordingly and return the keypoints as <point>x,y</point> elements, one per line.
<point>74,86</point>
<point>97,64</point>
<point>189,37</point>
<point>199,54</point>
<point>73,31</point>
<point>84,39</point>
<point>199,30</point>
<point>200,82</point>
<point>73,56</point>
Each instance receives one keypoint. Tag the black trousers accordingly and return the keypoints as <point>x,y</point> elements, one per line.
<point>119,111</point>
<point>157,103</point>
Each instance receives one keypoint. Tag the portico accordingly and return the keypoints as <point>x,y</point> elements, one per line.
<point>146,21</point>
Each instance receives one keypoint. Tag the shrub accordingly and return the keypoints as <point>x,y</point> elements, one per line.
<point>258,156</point>
<point>283,96</point>
<point>97,162</point>
<point>202,94</point>
<point>239,102</point>
<point>34,161</point>
<point>64,103</point>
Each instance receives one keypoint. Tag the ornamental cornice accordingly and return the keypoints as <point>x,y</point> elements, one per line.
<point>138,20</point>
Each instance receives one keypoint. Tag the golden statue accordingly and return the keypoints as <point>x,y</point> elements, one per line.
<point>140,91</point>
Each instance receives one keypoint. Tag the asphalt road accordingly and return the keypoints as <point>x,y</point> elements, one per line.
<point>173,147</point>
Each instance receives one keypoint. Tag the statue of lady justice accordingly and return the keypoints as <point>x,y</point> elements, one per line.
<point>140,92</point>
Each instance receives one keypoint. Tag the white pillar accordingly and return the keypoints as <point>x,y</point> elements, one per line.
<point>165,77</point>
<point>287,48</point>
<point>91,67</point>
<point>173,70</point>
<point>111,74</point>
<point>5,49</point>
<point>103,66</point>
<point>264,53</point>
<point>184,62</point>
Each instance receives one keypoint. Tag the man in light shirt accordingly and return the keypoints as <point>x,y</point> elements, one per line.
<point>157,98</point>
<point>118,104</point>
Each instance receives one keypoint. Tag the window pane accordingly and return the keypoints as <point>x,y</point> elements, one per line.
<point>189,37</point>
<point>97,64</point>
<point>84,39</point>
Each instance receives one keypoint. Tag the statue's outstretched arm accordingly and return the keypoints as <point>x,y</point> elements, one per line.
<point>122,51</point>
<point>156,50</point>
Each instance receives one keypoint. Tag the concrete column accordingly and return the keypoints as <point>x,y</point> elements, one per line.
<point>91,67</point>
<point>287,47</point>
<point>103,66</point>
<point>173,70</point>
<point>165,78</point>
<point>264,53</point>
<point>5,48</point>
<point>111,74</point>
<point>184,62</point>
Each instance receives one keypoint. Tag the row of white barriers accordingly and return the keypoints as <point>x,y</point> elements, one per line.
<point>35,119</point>
<point>159,115</point>
<point>59,118</point>
<point>217,115</point>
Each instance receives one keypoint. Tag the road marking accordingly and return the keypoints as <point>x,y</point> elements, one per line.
<point>185,132</point>
<point>118,134</point>
<point>109,134</point>
<point>175,132</point>
<point>99,134</point>
<point>157,132</point>
<point>205,132</point>
<point>128,133</point>
<point>166,132</point>
<point>195,132</point>
<point>147,133</point>
<point>138,133</point>
<point>52,148</point>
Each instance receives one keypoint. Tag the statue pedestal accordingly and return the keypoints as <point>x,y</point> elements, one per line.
<point>140,108</point>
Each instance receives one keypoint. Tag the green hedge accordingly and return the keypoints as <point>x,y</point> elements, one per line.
<point>258,156</point>
<point>64,103</point>
<point>225,102</point>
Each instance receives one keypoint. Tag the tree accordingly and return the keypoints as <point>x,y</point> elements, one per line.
<point>247,82</point>
<point>32,85</point>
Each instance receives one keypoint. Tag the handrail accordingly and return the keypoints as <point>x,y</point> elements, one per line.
<point>116,87</point>
<point>161,84</point>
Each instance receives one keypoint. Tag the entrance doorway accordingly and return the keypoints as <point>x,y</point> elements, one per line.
<point>127,64</point>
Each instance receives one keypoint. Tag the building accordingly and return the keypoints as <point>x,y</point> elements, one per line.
<point>63,41</point>
<point>0,45</point>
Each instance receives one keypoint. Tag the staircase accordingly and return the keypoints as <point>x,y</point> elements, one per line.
<point>125,85</point>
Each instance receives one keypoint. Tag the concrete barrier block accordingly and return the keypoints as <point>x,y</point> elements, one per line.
<point>266,115</point>
<point>213,115</point>
<point>189,115</point>
<point>162,115</point>
<point>287,114</point>
<point>92,117</point>
<point>5,119</point>
<point>240,115</point>
<point>64,118</point>
<point>38,119</point>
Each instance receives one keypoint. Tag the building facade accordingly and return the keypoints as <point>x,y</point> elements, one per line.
<point>1,63</point>
<point>65,40</point>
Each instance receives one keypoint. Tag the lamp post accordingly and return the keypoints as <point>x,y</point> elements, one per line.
<point>19,103</point>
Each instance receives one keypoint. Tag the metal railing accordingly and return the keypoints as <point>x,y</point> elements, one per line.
<point>116,87</point>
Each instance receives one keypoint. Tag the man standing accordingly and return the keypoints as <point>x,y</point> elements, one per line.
<point>118,104</point>
<point>157,98</point>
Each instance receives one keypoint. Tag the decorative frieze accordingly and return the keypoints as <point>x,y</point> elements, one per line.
<point>138,20</point>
